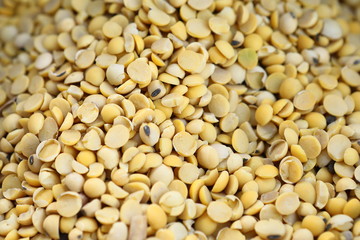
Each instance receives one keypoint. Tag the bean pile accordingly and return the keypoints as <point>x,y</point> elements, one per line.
<point>180,119</point>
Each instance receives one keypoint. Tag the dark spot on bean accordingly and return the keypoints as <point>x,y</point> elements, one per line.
<point>31,160</point>
<point>328,227</point>
<point>292,15</point>
<point>147,130</point>
<point>330,167</point>
<point>61,74</point>
<point>235,42</point>
<point>356,61</point>
<point>315,60</point>
<point>330,119</point>
<point>324,219</point>
<point>272,237</point>
<point>155,92</point>
<point>245,160</point>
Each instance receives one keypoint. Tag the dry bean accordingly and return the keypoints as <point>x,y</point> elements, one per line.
<point>184,144</point>
<point>337,146</point>
<point>139,71</point>
<point>94,187</point>
<point>335,105</point>
<point>197,28</point>
<point>158,17</point>
<point>156,216</point>
<point>117,136</point>
<point>48,150</point>
<point>190,61</point>
<point>287,203</point>
<point>331,29</point>
<point>218,25</point>
<point>69,204</point>
<point>270,229</point>
<point>247,58</point>
<point>263,114</point>
<point>179,119</point>
<point>219,211</point>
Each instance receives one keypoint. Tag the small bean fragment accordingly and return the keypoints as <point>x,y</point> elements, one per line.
<point>139,71</point>
<point>84,58</point>
<point>219,105</point>
<point>247,58</point>
<point>188,173</point>
<point>302,233</point>
<point>337,146</point>
<point>149,134</point>
<point>191,61</point>
<point>277,150</point>
<point>95,75</point>
<point>51,226</point>
<point>69,204</point>
<point>115,74</point>
<point>240,141</point>
<point>111,29</point>
<point>335,105</point>
<point>331,29</point>
<point>200,5</point>
<point>225,48</point>
<point>117,136</point>
<point>94,187</point>
<point>48,150</point>
<point>340,222</point>
<point>310,145</point>
<point>88,112</point>
<point>288,23</point>
<point>304,100</point>
<point>290,169</point>
<point>158,17</point>
<point>156,216</point>
<point>118,231</point>
<point>264,114</point>
<point>351,156</point>
<point>197,28</point>
<point>208,157</point>
<point>34,102</point>
<point>219,25</point>
<point>266,171</point>
<point>350,76</point>
<point>327,81</point>
<point>43,60</point>
<point>268,229</point>
<point>219,211</point>
<point>184,144</point>
<point>70,137</point>
<point>313,223</point>
<point>287,203</point>
<point>107,215</point>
